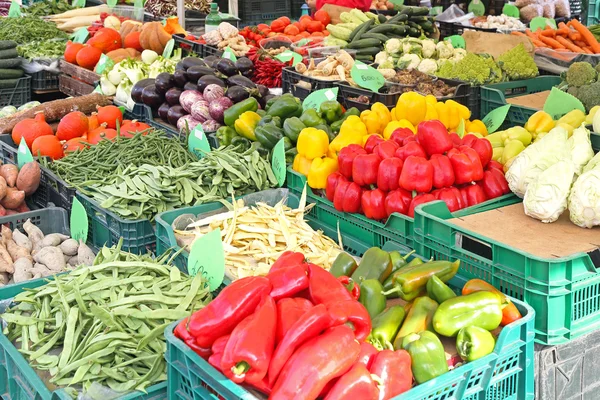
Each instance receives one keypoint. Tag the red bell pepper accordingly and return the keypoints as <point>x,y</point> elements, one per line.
<point>332,183</point>
<point>347,197</point>
<point>311,324</point>
<point>466,165</point>
<point>364,169</point>
<point>346,158</point>
<point>388,176</point>
<point>403,136</point>
<point>347,281</point>
<point>217,349</point>
<point>386,149</point>
<point>443,174</point>
<point>394,370</point>
<point>417,174</point>
<point>372,142</point>
<point>373,204</point>
<point>419,199</point>
<point>235,302</point>
<point>434,138</point>
<point>495,165</point>
<point>451,196</point>
<point>288,281</point>
<point>494,184</point>
<point>250,347</point>
<point>472,195</point>
<point>354,384</point>
<point>483,148</point>
<point>456,140</point>
<point>315,363</point>
<point>181,331</point>
<point>287,258</point>
<point>289,310</point>
<point>367,354</point>
<point>410,149</point>
<point>398,201</point>
<point>354,312</point>
<point>324,288</point>
<point>262,386</point>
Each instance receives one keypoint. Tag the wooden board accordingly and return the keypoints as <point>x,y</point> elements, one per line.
<point>534,100</point>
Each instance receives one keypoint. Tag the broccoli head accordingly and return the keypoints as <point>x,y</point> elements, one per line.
<point>581,74</point>
<point>589,95</point>
<point>597,68</point>
<point>518,64</point>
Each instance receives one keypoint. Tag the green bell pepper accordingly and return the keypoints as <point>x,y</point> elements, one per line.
<point>268,135</point>
<point>331,111</point>
<point>285,107</point>
<point>428,359</point>
<point>238,140</point>
<point>311,118</point>
<point>262,150</point>
<point>371,297</point>
<point>375,264</point>
<point>287,144</point>
<point>225,135</point>
<point>234,112</point>
<point>385,326</point>
<point>413,280</point>
<point>337,125</point>
<point>290,155</point>
<point>388,285</point>
<point>473,342</point>
<point>262,113</point>
<point>343,265</point>
<point>419,318</point>
<point>292,128</point>
<point>270,120</point>
<point>438,290</point>
<point>482,309</point>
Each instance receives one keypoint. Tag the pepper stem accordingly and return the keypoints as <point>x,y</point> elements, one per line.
<point>391,291</point>
<point>408,255</point>
<point>389,345</point>
<point>240,368</point>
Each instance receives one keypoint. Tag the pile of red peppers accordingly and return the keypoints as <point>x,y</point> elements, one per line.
<point>396,175</point>
<point>297,333</point>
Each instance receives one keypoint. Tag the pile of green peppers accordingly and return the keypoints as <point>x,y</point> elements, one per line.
<point>432,309</point>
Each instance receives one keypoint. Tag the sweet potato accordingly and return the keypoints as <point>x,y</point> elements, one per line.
<point>3,187</point>
<point>9,172</point>
<point>14,250</point>
<point>52,239</point>
<point>69,247</point>
<point>28,179</point>
<point>12,212</point>
<point>22,208</point>
<point>42,270</point>
<point>13,199</point>
<point>2,211</point>
<point>51,257</point>
<point>23,267</point>
<point>4,278</point>
<point>35,235</point>
<point>6,262</point>
<point>22,240</point>
<point>85,255</point>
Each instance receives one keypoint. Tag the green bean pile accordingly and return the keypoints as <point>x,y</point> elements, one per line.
<point>144,191</point>
<point>106,320</point>
<point>98,163</point>
<point>28,29</point>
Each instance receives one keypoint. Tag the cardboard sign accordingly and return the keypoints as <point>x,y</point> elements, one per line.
<point>207,257</point>
<point>289,55</point>
<point>559,103</point>
<point>458,42</point>
<point>495,118</point>
<point>24,155</point>
<point>104,63</point>
<point>228,53</point>
<point>78,221</point>
<point>278,162</point>
<point>198,142</point>
<point>168,51</point>
<point>366,76</point>
<point>315,99</point>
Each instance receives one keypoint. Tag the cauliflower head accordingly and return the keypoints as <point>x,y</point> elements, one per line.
<point>581,74</point>
<point>458,55</point>
<point>412,48</point>
<point>518,64</point>
<point>393,46</point>
<point>382,58</point>
<point>427,66</point>
<point>429,49</point>
<point>409,61</point>
<point>445,49</point>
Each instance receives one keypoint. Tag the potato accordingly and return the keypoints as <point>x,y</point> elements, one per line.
<point>13,199</point>
<point>51,257</point>
<point>22,240</point>
<point>85,255</point>
<point>28,179</point>
<point>9,172</point>
<point>3,187</point>
<point>52,239</point>
<point>23,267</point>
<point>69,247</point>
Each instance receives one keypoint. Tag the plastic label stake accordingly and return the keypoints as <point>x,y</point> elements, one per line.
<point>477,8</point>
<point>228,53</point>
<point>104,63</point>
<point>14,10</point>
<point>458,42</point>
<point>559,103</point>
<point>278,162</point>
<point>138,3</point>
<point>24,155</point>
<point>81,35</point>
<point>366,76</point>
<point>198,142</point>
<point>495,118</point>
<point>541,23</point>
<point>78,221</point>
<point>168,51</point>
<point>315,99</point>
<point>207,257</point>
<point>111,3</point>
<point>289,55</point>
<point>78,3</point>
<point>98,90</point>
<point>511,11</point>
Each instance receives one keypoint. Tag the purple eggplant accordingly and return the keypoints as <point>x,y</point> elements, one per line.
<point>181,78</point>
<point>172,96</point>
<point>174,114</point>
<point>136,91</point>
<point>151,97</point>
<point>163,110</point>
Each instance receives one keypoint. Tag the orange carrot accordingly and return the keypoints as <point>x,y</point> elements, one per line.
<point>531,34</point>
<point>587,50</point>
<point>548,32</point>
<point>574,35</point>
<point>517,33</point>
<point>580,43</point>
<point>551,42</point>
<point>587,36</point>
<point>569,45</point>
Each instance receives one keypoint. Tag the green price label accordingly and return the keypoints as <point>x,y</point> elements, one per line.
<point>511,11</point>
<point>104,63</point>
<point>111,3</point>
<point>495,118</point>
<point>315,99</point>
<point>169,48</point>
<point>541,23</point>
<point>78,221</point>
<point>78,3</point>
<point>559,103</point>
<point>15,9</point>
<point>366,76</point>
<point>303,42</point>
<point>228,53</point>
<point>138,3</point>
<point>289,55</point>
<point>458,42</point>
<point>24,155</point>
<point>278,162</point>
<point>81,35</point>
<point>460,129</point>
<point>207,257</point>
<point>476,7</point>
<point>98,90</point>
<point>198,142</point>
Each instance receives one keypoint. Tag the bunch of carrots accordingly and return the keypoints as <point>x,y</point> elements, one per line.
<point>572,37</point>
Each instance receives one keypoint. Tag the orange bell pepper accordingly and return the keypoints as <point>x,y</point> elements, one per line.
<point>510,313</point>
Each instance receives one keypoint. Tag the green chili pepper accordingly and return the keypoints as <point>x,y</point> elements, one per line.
<point>385,326</point>
<point>482,309</point>
<point>438,290</point>
<point>419,318</point>
<point>371,297</point>
<point>343,265</point>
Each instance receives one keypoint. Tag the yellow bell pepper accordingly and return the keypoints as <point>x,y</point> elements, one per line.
<point>411,106</point>
<point>516,133</point>
<point>320,169</point>
<point>351,132</point>
<point>448,115</point>
<point>246,124</point>
<point>406,124</point>
<point>431,113</point>
<point>496,139</point>
<point>567,127</point>
<point>476,126</point>
<point>590,117</point>
<point>312,143</point>
<point>393,113</point>
<point>512,149</point>
<point>463,111</point>
<point>497,154</point>
<point>391,127</point>
<point>301,164</point>
<point>371,121</point>
<point>574,118</point>
<point>382,112</point>
<point>540,122</point>
<point>430,99</point>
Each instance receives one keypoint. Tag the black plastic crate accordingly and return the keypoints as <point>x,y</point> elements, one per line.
<point>138,113</point>
<point>296,11</point>
<point>157,123</point>
<point>18,95</point>
<point>187,46</point>
<point>44,81</point>
<point>206,50</point>
<point>254,12</point>
<point>474,101</point>
<point>300,85</point>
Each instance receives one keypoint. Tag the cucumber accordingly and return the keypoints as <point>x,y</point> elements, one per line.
<point>362,28</point>
<point>379,36</point>
<point>424,11</point>
<point>8,53</point>
<point>427,26</point>
<point>364,43</point>
<point>11,63</point>
<point>387,29</point>
<point>7,44</point>
<point>418,19</point>
<point>382,19</point>
<point>365,58</point>
<point>397,18</point>
<point>8,83</point>
<point>413,32</point>
<point>368,51</point>
<point>11,73</point>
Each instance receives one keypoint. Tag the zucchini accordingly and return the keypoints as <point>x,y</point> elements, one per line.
<point>387,29</point>
<point>363,43</point>
<point>362,28</point>
<point>397,18</point>
<point>8,83</point>
<point>418,19</point>
<point>365,58</point>
<point>11,73</point>
<point>7,44</point>
<point>379,36</point>
<point>427,26</point>
<point>382,19</point>
<point>368,51</point>
<point>413,32</point>
<point>8,53</point>
<point>11,63</point>
<point>424,11</point>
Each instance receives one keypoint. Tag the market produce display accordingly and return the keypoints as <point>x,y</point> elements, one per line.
<point>571,37</point>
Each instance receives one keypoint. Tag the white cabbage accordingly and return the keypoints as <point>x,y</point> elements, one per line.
<point>546,197</point>
<point>584,201</point>
<point>594,162</point>
<point>581,148</point>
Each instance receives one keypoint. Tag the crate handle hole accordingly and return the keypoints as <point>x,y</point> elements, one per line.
<point>595,257</point>
<point>474,246</point>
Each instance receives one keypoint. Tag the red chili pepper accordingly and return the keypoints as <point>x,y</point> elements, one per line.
<point>351,311</point>
<point>311,324</point>
<point>356,384</point>
<point>315,363</point>
<point>347,281</point>
<point>324,288</point>
<point>433,136</point>
<point>495,165</point>
<point>402,136</point>
<point>286,259</point>
<point>181,331</point>
<point>364,169</point>
<point>483,148</point>
<point>386,149</point>
<point>371,142</point>
<point>249,349</point>
<point>347,197</point>
<point>367,354</point>
<point>494,184</point>
<point>332,183</point>
<point>388,175</point>
<point>394,370</point>
<point>373,204</point>
<point>410,149</point>
<point>289,310</point>
<point>346,158</point>
<point>472,195</point>
<point>456,140</point>
<point>398,201</point>
<point>232,305</point>
<point>288,281</point>
<point>451,196</point>
<point>443,174</point>
<point>419,199</point>
<point>417,174</point>
<point>466,165</point>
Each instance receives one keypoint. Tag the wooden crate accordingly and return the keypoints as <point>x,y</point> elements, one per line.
<point>73,87</point>
<point>82,74</point>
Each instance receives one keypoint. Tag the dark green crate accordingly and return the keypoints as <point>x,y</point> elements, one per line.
<point>564,292</point>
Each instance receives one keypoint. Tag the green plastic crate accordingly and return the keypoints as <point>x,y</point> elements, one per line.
<point>19,381</point>
<point>398,228</point>
<point>565,292</point>
<point>507,373</point>
<point>494,96</point>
